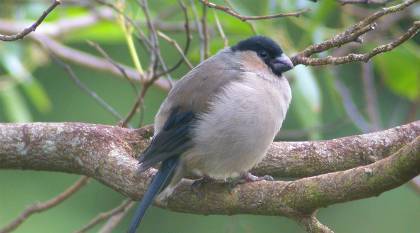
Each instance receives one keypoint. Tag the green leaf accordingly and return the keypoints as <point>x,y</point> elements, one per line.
<point>15,109</point>
<point>14,67</point>
<point>100,32</point>
<point>400,72</point>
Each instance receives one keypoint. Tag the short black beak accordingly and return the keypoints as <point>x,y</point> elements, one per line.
<point>281,64</point>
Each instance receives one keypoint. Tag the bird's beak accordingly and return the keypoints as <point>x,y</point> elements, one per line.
<point>281,64</point>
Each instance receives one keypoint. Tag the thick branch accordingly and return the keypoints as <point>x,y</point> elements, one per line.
<point>106,152</point>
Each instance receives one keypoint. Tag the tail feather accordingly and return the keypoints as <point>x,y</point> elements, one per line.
<point>160,180</point>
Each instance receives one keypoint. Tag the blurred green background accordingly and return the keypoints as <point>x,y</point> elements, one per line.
<point>34,88</point>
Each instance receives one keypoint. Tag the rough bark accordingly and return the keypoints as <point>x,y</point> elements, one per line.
<point>106,154</point>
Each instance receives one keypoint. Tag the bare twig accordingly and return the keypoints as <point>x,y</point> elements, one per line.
<point>232,12</point>
<point>220,29</point>
<point>86,89</point>
<point>152,68</point>
<point>126,204</point>
<point>140,32</point>
<point>114,63</point>
<point>352,34</point>
<point>139,102</point>
<point>377,2</point>
<point>372,105</point>
<point>33,27</point>
<point>43,206</point>
<point>177,47</point>
<point>312,224</point>
<point>114,220</point>
<point>351,109</point>
<point>199,27</point>
<point>204,26</point>
<point>186,48</point>
<point>364,57</point>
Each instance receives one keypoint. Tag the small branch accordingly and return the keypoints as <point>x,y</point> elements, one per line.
<point>312,224</point>
<point>220,29</point>
<point>350,107</point>
<point>365,57</point>
<point>199,29</point>
<point>177,47</point>
<point>43,206</point>
<point>352,34</point>
<point>125,205</point>
<point>114,220</point>
<point>86,89</point>
<point>233,13</point>
<point>33,27</point>
<point>205,32</point>
<point>187,44</point>
<point>377,2</point>
<point>114,63</point>
<point>371,97</point>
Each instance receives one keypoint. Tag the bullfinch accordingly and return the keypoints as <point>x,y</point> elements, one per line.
<point>219,120</point>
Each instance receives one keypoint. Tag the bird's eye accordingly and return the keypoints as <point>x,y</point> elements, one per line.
<point>263,54</point>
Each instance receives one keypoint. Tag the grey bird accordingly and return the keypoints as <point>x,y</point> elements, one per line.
<point>219,120</point>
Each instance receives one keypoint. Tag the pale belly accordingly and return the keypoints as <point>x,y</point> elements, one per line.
<point>236,134</point>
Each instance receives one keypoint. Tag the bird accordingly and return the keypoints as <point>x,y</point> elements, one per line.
<point>218,121</point>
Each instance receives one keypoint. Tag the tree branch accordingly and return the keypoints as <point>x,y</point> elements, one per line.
<point>81,58</point>
<point>40,207</point>
<point>352,34</point>
<point>106,154</point>
<point>33,27</point>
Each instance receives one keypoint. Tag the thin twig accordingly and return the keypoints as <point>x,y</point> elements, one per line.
<point>199,29</point>
<point>126,204</point>
<point>155,52</point>
<point>312,224</point>
<point>43,206</point>
<point>205,32</point>
<point>141,35</point>
<point>232,12</point>
<point>350,107</point>
<point>220,29</point>
<point>114,220</point>
<point>33,27</point>
<point>114,63</point>
<point>371,97</point>
<point>250,22</point>
<point>178,48</point>
<point>352,34</point>
<point>364,57</point>
<point>377,2</point>
<point>86,89</point>
<point>187,43</point>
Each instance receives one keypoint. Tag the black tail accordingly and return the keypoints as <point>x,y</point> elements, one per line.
<point>159,181</point>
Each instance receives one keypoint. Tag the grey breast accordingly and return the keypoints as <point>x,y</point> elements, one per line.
<point>196,89</point>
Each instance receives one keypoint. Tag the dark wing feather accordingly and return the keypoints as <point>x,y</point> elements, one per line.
<point>172,140</point>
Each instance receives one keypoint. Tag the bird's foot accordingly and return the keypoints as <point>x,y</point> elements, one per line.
<point>197,185</point>
<point>248,177</point>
